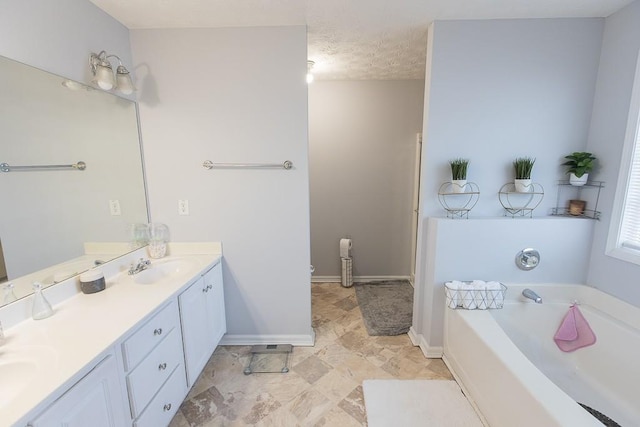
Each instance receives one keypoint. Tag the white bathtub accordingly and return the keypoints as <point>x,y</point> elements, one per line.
<point>515,375</point>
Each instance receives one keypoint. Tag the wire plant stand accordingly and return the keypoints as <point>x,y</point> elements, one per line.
<point>458,201</point>
<point>520,203</point>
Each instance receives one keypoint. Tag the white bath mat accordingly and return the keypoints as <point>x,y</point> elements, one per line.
<point>423,403</point>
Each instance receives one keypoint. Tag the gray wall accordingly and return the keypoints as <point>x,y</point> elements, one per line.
<point>502,89</point>
<point>488,253</point>
<point>362,145</point>
<point>234,95</point>
<point>496,90</point>
<point>57,36</point>
<point>610,112</point>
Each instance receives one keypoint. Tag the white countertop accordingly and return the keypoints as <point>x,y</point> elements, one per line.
<point>84,326</point>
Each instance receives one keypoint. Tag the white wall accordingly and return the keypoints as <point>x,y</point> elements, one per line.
<point>362,144</point>
<point>234,95</point>
<point>502,89</point>
<point>57,36</point>
<point>610,112</point>
<point>486,249</point>
<point>497,90</point>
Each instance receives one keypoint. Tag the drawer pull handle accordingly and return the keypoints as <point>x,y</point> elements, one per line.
<point>157,331</point>
<point>167,407</point>
<point>162,366</point>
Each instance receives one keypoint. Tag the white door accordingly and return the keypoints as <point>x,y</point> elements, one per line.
<point>416,207</point>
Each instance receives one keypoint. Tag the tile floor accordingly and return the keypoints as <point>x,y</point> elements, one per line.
<point>324,385</point>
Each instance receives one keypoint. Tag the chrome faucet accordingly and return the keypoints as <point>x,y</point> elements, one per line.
<point>143,264</point>
<point>528,293</point>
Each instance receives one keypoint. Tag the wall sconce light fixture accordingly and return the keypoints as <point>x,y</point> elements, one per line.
<point>310,65</point>
<point>103,73</point>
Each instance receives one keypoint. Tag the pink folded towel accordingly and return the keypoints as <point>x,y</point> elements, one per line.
<point>574,331</point>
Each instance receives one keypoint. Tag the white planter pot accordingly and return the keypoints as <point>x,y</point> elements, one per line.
<point>578,182</point>
<point>458,185</point>
<point>522,185</point>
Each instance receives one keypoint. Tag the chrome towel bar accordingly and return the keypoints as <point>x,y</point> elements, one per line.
<point>5,167</point>
<point>287,164</point>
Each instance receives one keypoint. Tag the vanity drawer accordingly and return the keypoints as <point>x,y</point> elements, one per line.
<point>153,371</point>
<point>149,335</point>
<point>166,403</point>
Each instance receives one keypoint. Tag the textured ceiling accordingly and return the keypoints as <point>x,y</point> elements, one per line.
<point>349,39</point>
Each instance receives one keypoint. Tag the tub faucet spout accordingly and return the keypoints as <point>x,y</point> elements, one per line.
<point>528,293</point>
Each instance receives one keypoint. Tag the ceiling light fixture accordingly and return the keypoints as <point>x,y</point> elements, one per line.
<point>310,65</point>
<point>103,73</point>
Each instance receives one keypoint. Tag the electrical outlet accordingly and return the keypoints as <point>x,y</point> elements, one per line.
<point>114,207</point>
<point>183,207</point>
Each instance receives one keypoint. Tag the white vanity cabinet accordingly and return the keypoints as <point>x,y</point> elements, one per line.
<point>94,401</point>
<point>153,361</point>
<point>203,320</point>
<point>138,372</point>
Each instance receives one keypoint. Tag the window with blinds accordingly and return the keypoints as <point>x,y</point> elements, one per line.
<point>630,228</point>
<point>624,233</point>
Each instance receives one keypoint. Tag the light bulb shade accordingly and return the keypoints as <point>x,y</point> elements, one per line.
<point>123,81</point>
<point>104,76</point>
<point>309,77</point>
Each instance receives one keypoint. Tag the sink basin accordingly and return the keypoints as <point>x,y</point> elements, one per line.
<point>160,270</point>
<point>16,375</point>
<point>19,367</point>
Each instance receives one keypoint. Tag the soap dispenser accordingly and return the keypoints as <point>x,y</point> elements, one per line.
<point>41,307</point>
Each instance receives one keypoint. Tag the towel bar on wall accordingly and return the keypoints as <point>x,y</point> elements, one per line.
<point>287,164</point>
<point>5,167</point>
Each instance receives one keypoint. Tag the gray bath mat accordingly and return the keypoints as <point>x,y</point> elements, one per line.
<point>387,307</point>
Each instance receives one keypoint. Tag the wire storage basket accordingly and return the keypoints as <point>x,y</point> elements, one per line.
<point>474,295</point>
<point>347,272</point>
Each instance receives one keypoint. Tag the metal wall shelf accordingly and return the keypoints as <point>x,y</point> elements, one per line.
<point>565,192</point>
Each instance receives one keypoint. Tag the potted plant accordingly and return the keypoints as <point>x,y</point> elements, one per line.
<point>579,163</point>
<point>458,174</point>
<point>523,167</point>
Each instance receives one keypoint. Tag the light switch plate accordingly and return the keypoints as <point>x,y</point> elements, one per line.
<point>114,207</point>
<point>183,207</point>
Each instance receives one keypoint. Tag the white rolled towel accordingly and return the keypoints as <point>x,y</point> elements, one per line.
<point>453,294</point>
<point>468,296</point>
<point>495,297</point>
<point>480,294</point>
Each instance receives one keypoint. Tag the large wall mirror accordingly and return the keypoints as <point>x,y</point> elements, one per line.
<point>49,216</point>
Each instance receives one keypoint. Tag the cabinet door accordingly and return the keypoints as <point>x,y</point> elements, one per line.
<point>215,306</point>
<point>94,401</point>
<point>193,316</point>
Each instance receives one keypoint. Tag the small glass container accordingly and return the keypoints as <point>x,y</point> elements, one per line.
<point>8,295</point>
<point>158,238</point>
<point>41,307</point>
<point>139,234</point>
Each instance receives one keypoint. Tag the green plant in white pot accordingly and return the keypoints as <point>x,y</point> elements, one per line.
<point>523,167</point>
<point>458,174</point>
<point>579,163</point>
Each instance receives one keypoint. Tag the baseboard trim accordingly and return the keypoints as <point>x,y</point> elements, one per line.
<point>430,352</point>
<point>356,279</point>
<point>295,340</point>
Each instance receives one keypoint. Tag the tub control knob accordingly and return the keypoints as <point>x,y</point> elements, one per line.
<point>528,259</point>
